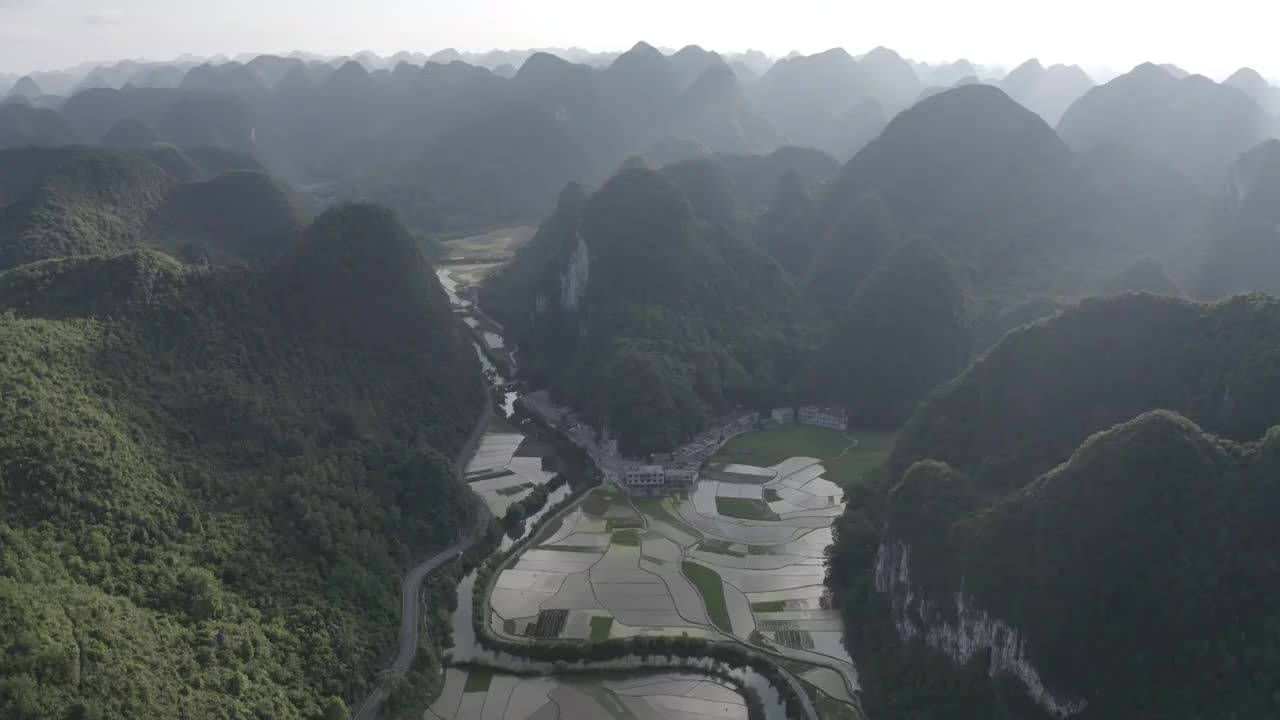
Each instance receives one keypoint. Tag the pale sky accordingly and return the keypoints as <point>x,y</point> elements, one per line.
<point>1212,38</point>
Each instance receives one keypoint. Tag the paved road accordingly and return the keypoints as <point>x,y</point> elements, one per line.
<point>411,587</point>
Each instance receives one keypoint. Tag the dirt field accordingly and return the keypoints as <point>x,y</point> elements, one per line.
<point>498,244</point>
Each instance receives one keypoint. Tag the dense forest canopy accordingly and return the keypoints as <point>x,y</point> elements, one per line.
<point>69,201</point>
<point>211,483</point>
<point>647,316</point>
<point>1040,488</point>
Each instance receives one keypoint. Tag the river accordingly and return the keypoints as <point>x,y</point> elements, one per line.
<point>466,649</point>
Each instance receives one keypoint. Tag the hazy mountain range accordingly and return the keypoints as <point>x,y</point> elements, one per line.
<point>392,128</point>
<point>233,391</point>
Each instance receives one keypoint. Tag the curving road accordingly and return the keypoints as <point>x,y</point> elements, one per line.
<point>411,586</point>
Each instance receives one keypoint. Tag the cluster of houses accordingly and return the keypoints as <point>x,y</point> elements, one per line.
<point>678,471</point>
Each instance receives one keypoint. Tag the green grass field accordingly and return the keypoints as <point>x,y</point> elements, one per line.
<point>712,590</point>
<point>478,681</point>
<point>872,450</point>
<point>630,538</point>
<point>770,447</point>
<point>744,508</point>
<point>600,627</point>
<point>768,607</point>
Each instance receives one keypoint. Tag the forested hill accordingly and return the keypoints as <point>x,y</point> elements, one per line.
<point>211,483</point>
<point>1007,542</point>
<point>1023,408</point>
<point>206,204</point>
<point>649,317</point>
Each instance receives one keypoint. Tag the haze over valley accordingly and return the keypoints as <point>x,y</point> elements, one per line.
<point>641,383</point>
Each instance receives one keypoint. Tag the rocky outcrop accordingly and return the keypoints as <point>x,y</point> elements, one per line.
<point>961,630</point>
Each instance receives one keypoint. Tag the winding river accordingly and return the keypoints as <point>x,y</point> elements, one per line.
<point>467,650</point>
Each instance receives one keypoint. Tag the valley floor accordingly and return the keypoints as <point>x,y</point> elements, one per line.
<point>740,561</point>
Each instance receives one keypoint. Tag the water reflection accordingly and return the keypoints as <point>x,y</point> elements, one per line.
<point>465,647</point>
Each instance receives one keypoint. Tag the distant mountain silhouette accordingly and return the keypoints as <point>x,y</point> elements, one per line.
<point>230,78</point>
<point>819,100</point>
<point>1046,92</point>
<point>1244,252</point>
<point>987,179</point>
<point>641,88</point>
<point>272,69</point>
<point>506,166</point>
<point>186,118</point>
<point>690,62</point>
<point>1255,86</point>
<point>896,81</point>
<point>754,60</point>
<point>1139,206</point>
<point>1193,123</point>
<point>734,188</point>
<point>22,125</point>
<point>716,112</point>
<point>1147,276</point>
<point>950,74</point>
<point>573,95</point>
<point>25,87</point>
<point>130,134</point>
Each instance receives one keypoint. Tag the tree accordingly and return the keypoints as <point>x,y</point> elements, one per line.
<point>335,709</point>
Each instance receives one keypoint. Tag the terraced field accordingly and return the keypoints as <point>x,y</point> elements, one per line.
<point>501,473</point>
<point>732,559</point>
<point>655,697</point>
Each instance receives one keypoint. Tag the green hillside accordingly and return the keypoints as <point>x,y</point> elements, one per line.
<point>77,201</point>
<point>647,318</point>
<point>24,126</point>
<point>210,486</point>
<point>1026,405</point>
<point>1144,551</point>
<point>236,216</point>
<point>1148,554</point>
<point>904,333</point>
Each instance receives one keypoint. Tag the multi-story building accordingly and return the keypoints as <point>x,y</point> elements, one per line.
<point>645,479</point>
<point>833,418</point>
<point>680,478</point>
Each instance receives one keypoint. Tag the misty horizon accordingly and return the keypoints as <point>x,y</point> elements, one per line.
<point>1100,73</point>
<point>1103,39</point>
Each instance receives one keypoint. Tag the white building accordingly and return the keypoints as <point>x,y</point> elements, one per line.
<point>678,478</point>
<point>645,479</point>
<point>833,418</point>
<point>783,415</point>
